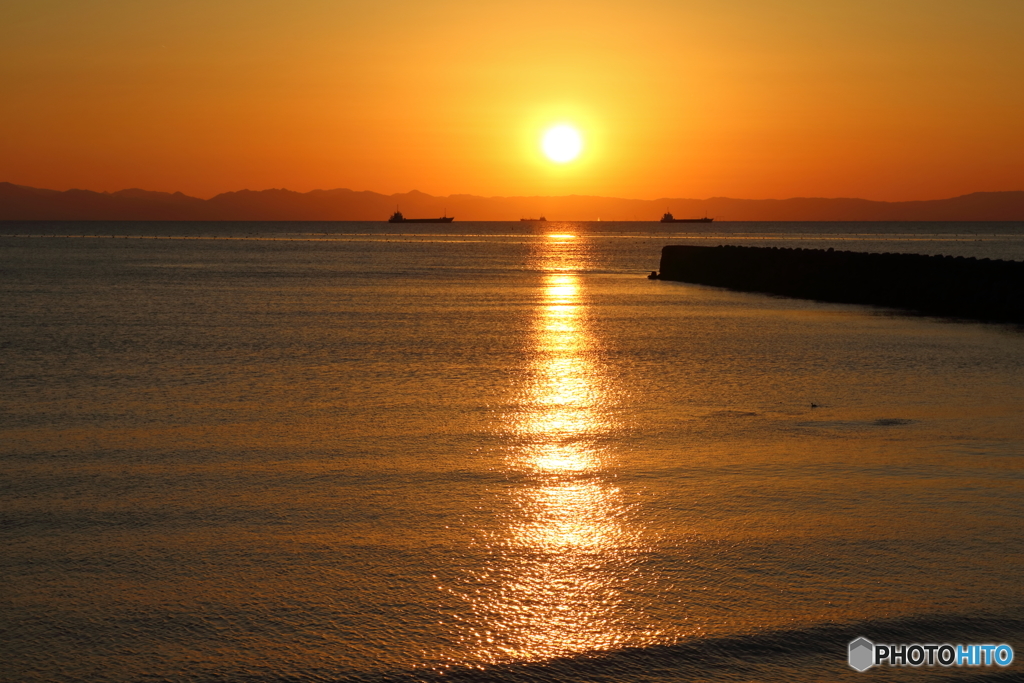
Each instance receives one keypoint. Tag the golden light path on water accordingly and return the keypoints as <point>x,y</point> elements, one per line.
<point>568,555</point>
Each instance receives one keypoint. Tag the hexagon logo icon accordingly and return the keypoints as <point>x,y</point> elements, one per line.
<point>862,654</point>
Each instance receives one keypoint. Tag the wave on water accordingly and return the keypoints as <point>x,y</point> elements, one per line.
<point>813,653</point>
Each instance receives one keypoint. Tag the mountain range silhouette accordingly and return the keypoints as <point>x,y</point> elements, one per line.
<point>19,203</point>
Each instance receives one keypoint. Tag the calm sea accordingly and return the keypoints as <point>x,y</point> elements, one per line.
<point>329,452</point>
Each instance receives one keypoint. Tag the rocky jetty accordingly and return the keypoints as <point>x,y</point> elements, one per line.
<point>979,289</point>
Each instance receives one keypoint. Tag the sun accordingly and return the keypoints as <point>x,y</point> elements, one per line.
<point>562,144</point>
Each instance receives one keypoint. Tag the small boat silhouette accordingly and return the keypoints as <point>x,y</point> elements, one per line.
<point>668,218</point>
<point>397,217</point>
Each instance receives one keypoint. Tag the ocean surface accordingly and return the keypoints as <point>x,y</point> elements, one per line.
<point>491,452</point>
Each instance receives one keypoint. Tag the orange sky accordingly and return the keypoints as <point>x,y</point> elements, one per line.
<point>891,100</point>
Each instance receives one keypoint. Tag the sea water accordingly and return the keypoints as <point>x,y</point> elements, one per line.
<point>340,452</point>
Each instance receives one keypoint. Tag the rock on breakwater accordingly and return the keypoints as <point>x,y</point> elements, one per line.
<point>980,289</point>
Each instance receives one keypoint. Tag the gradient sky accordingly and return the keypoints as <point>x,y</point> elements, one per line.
<point>891,100</point>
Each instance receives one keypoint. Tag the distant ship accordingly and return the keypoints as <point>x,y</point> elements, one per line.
<point>397,217</point>
<point>535,220</point>
<point>667,218</point>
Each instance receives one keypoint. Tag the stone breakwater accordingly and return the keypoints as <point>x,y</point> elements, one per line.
<point>980,289</point>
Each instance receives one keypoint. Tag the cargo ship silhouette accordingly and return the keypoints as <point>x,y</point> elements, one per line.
<point>535,220</point>
<point>667,218</point>
<point>397,217</point>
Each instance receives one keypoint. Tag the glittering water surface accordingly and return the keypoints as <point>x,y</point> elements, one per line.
<point>348,455</point>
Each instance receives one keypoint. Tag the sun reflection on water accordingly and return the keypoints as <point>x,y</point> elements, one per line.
<point>565,561</point>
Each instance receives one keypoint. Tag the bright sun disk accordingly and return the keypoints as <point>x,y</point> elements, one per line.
<point>562,143</point>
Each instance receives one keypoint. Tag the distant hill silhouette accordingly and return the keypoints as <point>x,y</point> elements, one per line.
<point>27,203</point>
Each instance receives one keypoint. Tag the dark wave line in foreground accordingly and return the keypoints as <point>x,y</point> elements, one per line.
<point>813,653</point>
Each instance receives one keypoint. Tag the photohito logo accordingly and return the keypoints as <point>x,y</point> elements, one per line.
<point>864,654</point>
